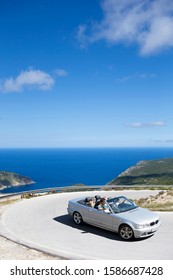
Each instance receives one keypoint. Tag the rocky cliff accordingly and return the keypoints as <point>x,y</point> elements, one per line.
<point>147,172</point>
<point>8,179</point>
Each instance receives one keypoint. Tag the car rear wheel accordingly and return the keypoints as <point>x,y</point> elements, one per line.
<point>126,232</point>
<point>77,218</point>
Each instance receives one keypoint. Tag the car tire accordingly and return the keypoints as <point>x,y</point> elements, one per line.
<point>77,218</point>
<point>126,232</point>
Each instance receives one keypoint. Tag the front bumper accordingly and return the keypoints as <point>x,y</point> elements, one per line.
<point>148,231</point>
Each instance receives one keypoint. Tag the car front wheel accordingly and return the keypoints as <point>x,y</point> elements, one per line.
<point>126,232</point>
<point>77,218</point>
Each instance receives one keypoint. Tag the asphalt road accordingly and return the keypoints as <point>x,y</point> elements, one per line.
<point>43,223</point>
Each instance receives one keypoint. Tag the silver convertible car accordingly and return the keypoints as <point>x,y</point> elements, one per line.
<point>121,215</point>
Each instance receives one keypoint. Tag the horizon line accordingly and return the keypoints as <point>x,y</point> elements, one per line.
<point>87,147</point>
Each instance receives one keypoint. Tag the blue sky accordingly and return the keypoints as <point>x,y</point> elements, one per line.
<point>86,73</point>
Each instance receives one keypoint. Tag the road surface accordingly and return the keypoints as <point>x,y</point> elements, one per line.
<point>42,223</point>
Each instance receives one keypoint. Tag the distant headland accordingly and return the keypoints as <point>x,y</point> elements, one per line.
<point>8,179</point>
<point>147,172</point>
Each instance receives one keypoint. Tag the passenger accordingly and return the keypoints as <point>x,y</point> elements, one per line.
<point>97,204</point>
<point>91,202</point>
<point>97,197</point>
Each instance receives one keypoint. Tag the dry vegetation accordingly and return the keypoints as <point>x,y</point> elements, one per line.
<point>163,201</point>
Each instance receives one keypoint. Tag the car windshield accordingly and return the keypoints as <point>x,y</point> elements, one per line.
<point>121,204</point>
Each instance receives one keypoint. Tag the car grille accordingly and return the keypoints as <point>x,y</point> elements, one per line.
<point>154,223</point>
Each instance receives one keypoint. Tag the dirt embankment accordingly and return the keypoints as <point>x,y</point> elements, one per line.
<point>163,201</point>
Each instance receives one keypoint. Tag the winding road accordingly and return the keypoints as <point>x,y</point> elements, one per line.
<point>42,223</point>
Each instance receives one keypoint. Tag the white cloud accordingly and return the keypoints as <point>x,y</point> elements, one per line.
<point>61,72</point>
<point>28,78</point>
<point>149,24</point>
<point>144,125</point>
<point>136,76</point>
<point>124,79</point>
<point>164,141</point>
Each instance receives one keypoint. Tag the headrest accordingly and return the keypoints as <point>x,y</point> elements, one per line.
<point>87,199</point>
<point>97,197</point>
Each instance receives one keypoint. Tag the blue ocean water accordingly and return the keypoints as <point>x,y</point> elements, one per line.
<point>51,168</point>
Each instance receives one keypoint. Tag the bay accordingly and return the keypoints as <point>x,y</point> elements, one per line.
<point>59,167</point>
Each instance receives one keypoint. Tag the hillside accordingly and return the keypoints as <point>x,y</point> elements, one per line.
<point>163,201</point>
<point>147,172</point>
<point>8,179</point>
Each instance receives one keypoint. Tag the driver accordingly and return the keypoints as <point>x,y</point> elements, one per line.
<point>103,206</point>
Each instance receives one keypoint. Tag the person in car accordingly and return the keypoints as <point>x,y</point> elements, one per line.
<point>102,205</point>
<point>91,202</point>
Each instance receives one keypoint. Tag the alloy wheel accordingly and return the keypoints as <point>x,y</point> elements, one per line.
<point>126,232</point>
<point>77,218</point>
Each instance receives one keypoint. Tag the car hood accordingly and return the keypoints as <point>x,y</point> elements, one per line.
<point>139,215</point>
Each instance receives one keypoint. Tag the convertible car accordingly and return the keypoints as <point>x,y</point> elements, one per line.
<point>121,215</point>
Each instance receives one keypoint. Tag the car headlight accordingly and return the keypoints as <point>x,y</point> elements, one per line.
<point>142,226</point>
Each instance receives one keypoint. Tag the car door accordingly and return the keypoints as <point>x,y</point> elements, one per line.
<point>116,221</point>
<point>100,218</point>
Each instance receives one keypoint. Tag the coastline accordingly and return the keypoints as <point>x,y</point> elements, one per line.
<point>64,167</point>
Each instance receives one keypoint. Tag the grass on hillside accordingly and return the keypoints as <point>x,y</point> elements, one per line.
<point>161,202</point>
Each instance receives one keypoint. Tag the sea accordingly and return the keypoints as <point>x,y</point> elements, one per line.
<point>63,167</point>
